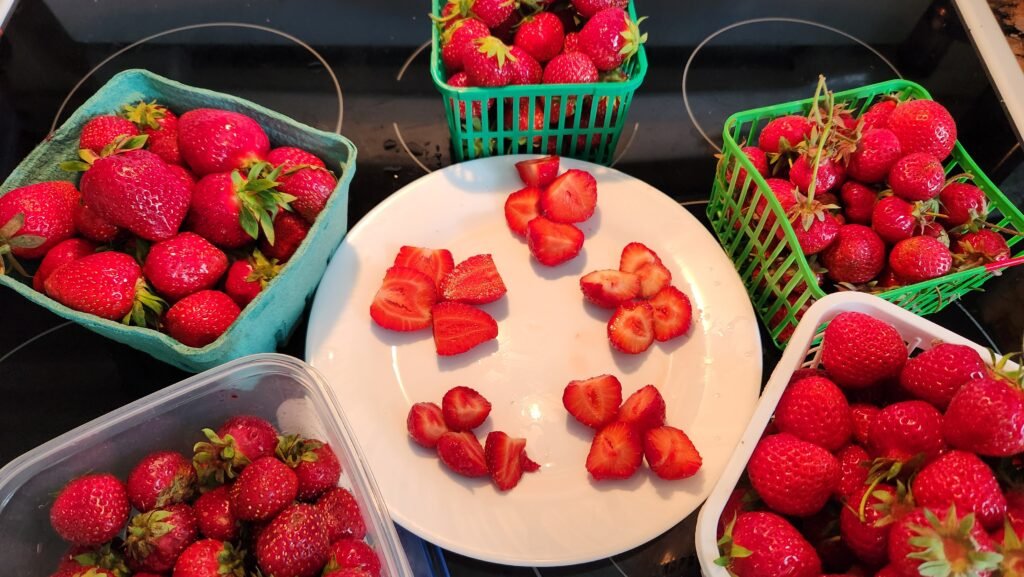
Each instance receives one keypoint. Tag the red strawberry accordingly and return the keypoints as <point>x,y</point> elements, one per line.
<point>314,463</point>
<point>294,544</point>
<point>587,8</point>
<point>906,429</point>
<point>263,489</point>
<point>917,176</point>
<point>487,62</point>
<point>106,284</point>
<point>644,409</point>
<point>230,209</point>
<point>461,80</point>
<point>858,202</point>
<point>474,281</point>
<point>670,453</point>
<point>941,539</point>
<point>594,401</point>
<point>615,453</point>
<point>830,174</point>
<point>740,501</point>
<point>246,278</point>
<point>785,193</point>
<point>877,150</point>
<point>160,479</point>
<point>784,133</point>
<point>672,312</point>
<point>569,68</point>
<point>435,263</point>
<point>635,255</point>
<point>938,373</point>
<point>895,219</point>
<point>572,197</point>
<point>36,218</point>
<point>462,453</point>
<point>757,158</point>
<point>981,247</point>
<point>214,517</point>
<point>425,424</point>
<point>524,69</point>
<point>289,157</point>
<point>404,300</point>
<point>90,510</point>
<point>201,318</point>
<point>464,409</point>
<point>759,544</point>
<point>553,243</point>
<point>459,327</point>
<point>863,416</point>
<point>961,479</point>
<point>610,288</point>
<point>311,187</point>
<point>101,131</point>
<point>853,472</point>
<point>354,554</point>
<point>986,416</point>
<point>184,264</point>
<point>91,225</point>
<point>251,436</point>
<point>504,456</point>
<point>458,38</point>
<point>920,258</point>
<point>610,38</point>
<point>793,477</point>
<point>856,256</point>
<point>815,410</point>
<point>66,251</point>
<point>239,441</point>
<point>521,207</point>
<point>160,125</point>
<point>541,36</point>
<point>877,115</point>
<point>631,328</point>
<point>289,232</point>
<point>342,516</point>
<point>923,126</point>
<point>859,350</point>
<point>867,517</point>
<point>220,140</point>
<point>815,227</point>
<point>537,172</point>
<point>156,538</point>
<point>207,558</point>
<point>963,203</point>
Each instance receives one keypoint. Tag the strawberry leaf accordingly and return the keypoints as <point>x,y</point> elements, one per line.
<point>74,166</point>
<point>250,223</point>
<point>26,241</point>
<point>12,226</point>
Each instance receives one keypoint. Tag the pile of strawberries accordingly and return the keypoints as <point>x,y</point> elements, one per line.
<point>249,501</point>
<point>178,224</point>
<point>880,464</point>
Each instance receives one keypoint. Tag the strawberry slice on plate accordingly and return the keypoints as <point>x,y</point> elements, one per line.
<point>404,300</point>
<point>553,243</point>
<point>572,197</point>
<point>631,328</point>
<point>425,424</point>
<point>672,313</point>
<point>644,409</point>
<point>653,277</point>
<point>461,452</point>
<point>594,401</point>
<point>505,457</point>
<point>538,171</point>
<point>474,281</point>
<point>464,409</point>
<point>670,453</point>
<point>636,255</point>
<point>459,327</point>
<point>615,453</point>
<point>610,288</point>
<point>521,207</point>
<point>435,263</point>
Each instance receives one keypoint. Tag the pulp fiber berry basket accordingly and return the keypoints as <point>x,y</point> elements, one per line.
<point>804,351</point>
<point>495,124</point>
<point>269,319</point>
<point>773,268</point>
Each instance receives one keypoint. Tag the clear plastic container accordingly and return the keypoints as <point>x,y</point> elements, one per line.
<point>284,390</point>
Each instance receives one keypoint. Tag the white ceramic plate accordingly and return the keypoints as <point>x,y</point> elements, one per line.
<point>547,336</point>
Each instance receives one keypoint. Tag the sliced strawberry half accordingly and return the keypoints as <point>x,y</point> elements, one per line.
<point>644,409</point>
<point>425,424</point>
<point>572,197</point>
<point>435,263</point>
<point>594,401</point>
<point>459,327</point>
<point>636,255</point>
<point>404,300</point>
<point>553,243</point>
<point>461,452</point>
<point>615,453</point>
<point>521,207</point>
<point>631,328</point>
<point>538,171</point>
<point>654,276</point>
<point>670,453</point>
<point>464,409</point>
<point>610,288</point>
<point>672,313</point>
<point>474,281</point>
<point>504,456</point>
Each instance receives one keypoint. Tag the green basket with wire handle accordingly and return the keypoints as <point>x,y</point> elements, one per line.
<point>775,271</point>
<point>499,118</point>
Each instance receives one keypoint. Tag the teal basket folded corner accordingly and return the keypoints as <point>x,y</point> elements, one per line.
<point>270,318</point>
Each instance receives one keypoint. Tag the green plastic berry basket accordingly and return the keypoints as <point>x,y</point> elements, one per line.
<point>588,132</point>
<point>775,271</point>
<point>270,318</point>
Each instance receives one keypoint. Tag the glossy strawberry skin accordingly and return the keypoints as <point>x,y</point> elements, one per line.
<point>569,68</point>
<point>920,258</point>
<point>917,176</point>
<point>163,140</point>
<point>215,212</point>
<point>100,131</point>
<point>263,489</point>
<point>67,251</point>
<point>214,517</point>
<point>877,151</point>
<point>906,429</point>
<point>982,246</point>
<point>986,416</point>
<point>820,235</point>
<point>776,547</point>
<point>253,436</point>
<point>963,203</point>
<point>184,264</point>
<point>863,415</point>
<point>289,232</point>
<point>858,202</point>
<point>859,350</point>
<point>830,174</point>
<point>868,540</point>
<point>289,157</point>
<point>853,470</point>
<point>602,38</point>
<point>541,36</point>
<point>893,219</point>
<point>856,256</point>
<point>160,479</point>
<point>877,115</point>
<point>90,510</point>
<point>156,539</point>
<point>352,553</point>
<point>294,544</point>
<point>220,140</point>
<point>793,477</point>
<point>960,478</point>
<point>483,69</point>
<point>815,410</point>
<point>318,475</point>
<point>47,208</point>
<point>311,187</point>
<point>205,558</point>
<point>238,287</point>
<point>908,527</point>
<point>457,39</point>
<point>91,225</point>
<point>343,518</point>
<point>587,8</point>
<point>793,129</point>
<point>102,284</point>
<point>923,126</point>
<point>200,318</point>
<point>937,374</point>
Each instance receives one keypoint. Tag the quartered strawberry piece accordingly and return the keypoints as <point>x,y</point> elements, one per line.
<point>529,465</point>
<point>571,197</point>
<point>553,243</point>
<point>464,409</point>
<point>670,453</point>
<point>404,300</point>
<point>521,207</point>
<point>538,172</point>
<point>462,453</point>
<point>435,263</point>
<point>631,328</point>
<point>672,313</point>
<point>459,327</point>
<point>425,424</point>
<point>594,401</point>
<point>644,409</point>
<point>615,453</point>
<point>654,276</point>
<point>474,281</point>
<point>505,458</point>
<point>610,288</point>
<point>636,255</point>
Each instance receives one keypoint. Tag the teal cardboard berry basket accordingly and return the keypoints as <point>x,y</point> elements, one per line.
<point>269,319</point>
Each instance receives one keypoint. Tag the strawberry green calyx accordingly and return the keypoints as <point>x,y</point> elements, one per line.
<point>148,308</point>
<point>730,550</point>
<point>121,144</point>
<point>1012,564</point>
<point>144,529</point>
<point>145,114</point>
<point>10,239</point>
<point>260,199</point>
<point>263,269</point>
<point>633,38</point>
<point>217,459</point>
<point>106,557</point>
<point>494,48</point>
<point>232,561</point>
<point>949,548</point>
<point>294,449</point>
<point>461,9</point>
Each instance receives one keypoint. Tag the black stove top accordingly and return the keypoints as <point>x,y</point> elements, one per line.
<point>707,60</point>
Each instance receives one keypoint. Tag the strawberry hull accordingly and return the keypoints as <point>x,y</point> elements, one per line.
<point>270,318</point>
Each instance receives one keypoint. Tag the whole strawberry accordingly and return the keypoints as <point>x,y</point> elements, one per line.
<point>962,479</point>
<point>858,202</point>
<point>944,540</point>
<point>487,62</point>
<point>289,158</point>
<point>980,247</point>
<point>36,218</point>
<point>312,188</point>
<point>230,209</point>
<point>314,463</point>
<point>920,258</point>
<point>493,13</point>
<point>541,36</point>
<point>214,517</point>
<point>793,477</point>
<point>524,69</point>
<point>342,516</point>
<point>184,264</point>
<point>937,374</point>
<point>352,553</point>
<point>587,8</point>
<point>93,226</point>
<point>289,232</point>
<point>856,256</point>
<point>156,538</point>
<point>101,131</point>
<point>905,430</point>
<point>830,174</point>
<point>963,203</point>
<point>90,510</point>
<point>67,251</point>
<point>106,284</point>
<point>294,544</point>
<point>923,126</point>
<point>160,479</point>
<point>569,68</point>
<point>815,227</point>
<point>986,416</point>
<point>757,158</point>
<point>220,140</point>
<point>859,350</point>
<point>458,38</point>
<point>877,150</point>
<point>895,219</point>
<point>263,490</point>
<point>783,134</point>
<point>610,38</point>
<point>877,115</point>
<point>160,125</point>
<point>247,278</point>
<point>917,176</point>
<point>210,558</point>
<point>865,521</point>
<point>762,544</point>
<point>201,318</point>
<point>815,410</point>
<point>853,471</point>
<point>237,442</point>
<point>863,415</point>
